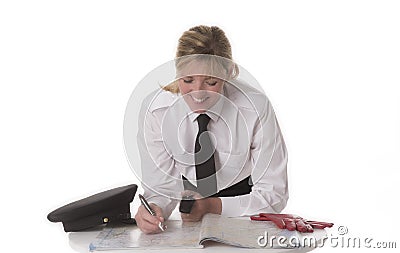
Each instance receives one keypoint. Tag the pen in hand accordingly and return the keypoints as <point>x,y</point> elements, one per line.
<point>151,211</point>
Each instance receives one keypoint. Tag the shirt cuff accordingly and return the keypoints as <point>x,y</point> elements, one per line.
<point>231,207</point>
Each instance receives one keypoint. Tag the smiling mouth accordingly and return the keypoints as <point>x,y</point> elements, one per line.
<point>199,100</point>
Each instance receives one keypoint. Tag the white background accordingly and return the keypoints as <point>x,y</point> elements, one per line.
<point>67,69</point>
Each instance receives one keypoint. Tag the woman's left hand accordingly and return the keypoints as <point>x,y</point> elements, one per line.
<point>201,206</point>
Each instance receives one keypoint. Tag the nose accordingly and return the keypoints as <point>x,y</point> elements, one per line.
<point>197,85</point>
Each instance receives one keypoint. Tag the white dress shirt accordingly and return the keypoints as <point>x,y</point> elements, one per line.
<point>247,141</point>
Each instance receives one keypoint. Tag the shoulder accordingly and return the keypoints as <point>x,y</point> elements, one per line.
<point>246,96</point>
<point>158,99</point>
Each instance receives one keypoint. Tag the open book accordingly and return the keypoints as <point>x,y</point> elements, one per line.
<point>236,232</point>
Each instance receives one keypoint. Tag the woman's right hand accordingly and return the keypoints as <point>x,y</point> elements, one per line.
<point>147,222</point>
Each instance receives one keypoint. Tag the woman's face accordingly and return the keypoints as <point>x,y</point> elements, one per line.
<point>200,92</point>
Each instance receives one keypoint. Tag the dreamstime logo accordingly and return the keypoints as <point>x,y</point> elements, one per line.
<point>341,240</point>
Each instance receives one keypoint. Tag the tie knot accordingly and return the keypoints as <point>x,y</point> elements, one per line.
<point>203,120</point>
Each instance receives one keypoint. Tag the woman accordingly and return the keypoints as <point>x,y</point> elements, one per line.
<point>209,135</point>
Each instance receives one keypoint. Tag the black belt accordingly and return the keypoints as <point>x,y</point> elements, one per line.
<point>241,188</point>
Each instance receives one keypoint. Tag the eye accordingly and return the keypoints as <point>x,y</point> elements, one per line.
<point>188,80</point>
<point>212,84</point>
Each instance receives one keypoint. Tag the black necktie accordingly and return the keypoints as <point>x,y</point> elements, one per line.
<point>204,159</point>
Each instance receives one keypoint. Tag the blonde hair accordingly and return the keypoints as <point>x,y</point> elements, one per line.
<point>204,40</point>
